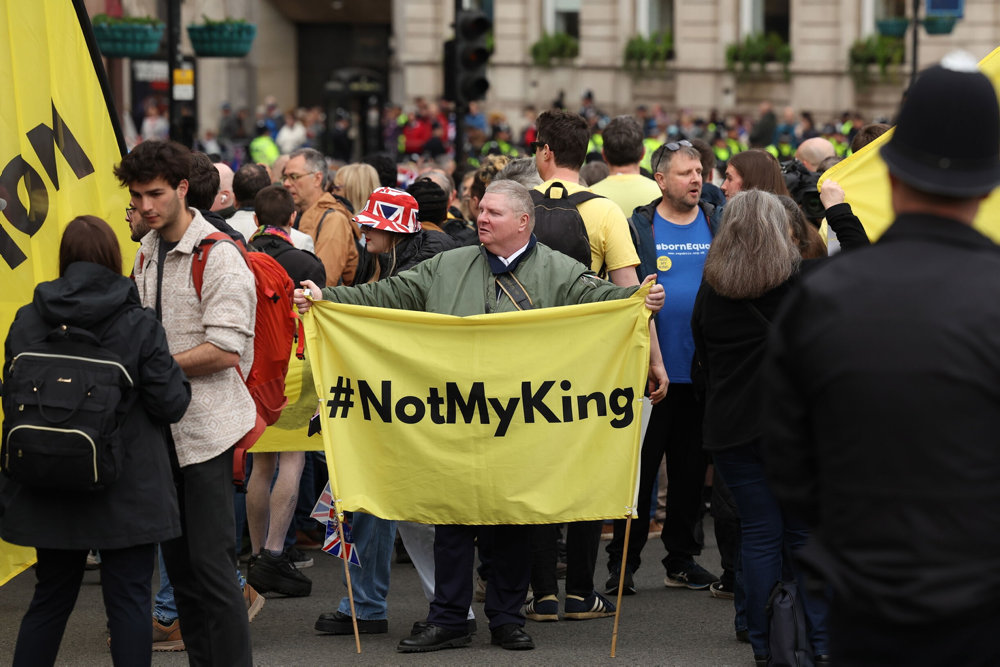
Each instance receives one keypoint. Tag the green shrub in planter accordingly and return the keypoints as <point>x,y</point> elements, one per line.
<point>127,36</point>
<point>230,38</point>
<point>939,25</point>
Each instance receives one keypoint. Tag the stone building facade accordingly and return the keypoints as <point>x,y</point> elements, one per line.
<point>303,48</point>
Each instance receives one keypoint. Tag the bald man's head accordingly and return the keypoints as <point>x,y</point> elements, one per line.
<point>813,151</point>
<point>224,199</point>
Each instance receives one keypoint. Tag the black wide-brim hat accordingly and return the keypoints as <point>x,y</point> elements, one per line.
<point>947,136</point>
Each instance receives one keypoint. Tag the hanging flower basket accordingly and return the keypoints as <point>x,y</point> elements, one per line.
<point>222,39</point>
<point>894,27</point>
<point>127,37</point>
<point>939,25</point>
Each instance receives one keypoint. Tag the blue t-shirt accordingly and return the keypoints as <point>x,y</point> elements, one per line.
<point>680,259</point>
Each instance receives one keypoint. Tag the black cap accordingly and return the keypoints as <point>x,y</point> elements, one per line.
<point>947,136</point>
<point>432,202</point>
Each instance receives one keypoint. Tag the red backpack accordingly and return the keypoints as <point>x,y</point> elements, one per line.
<point>275,330</point>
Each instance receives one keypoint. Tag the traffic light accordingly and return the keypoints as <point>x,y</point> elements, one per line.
<point>471,55</point>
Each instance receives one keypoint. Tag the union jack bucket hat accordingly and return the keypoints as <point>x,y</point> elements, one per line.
<point>391,210</point>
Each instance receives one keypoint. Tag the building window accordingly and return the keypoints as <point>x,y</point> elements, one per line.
<point>765,17</point>
<point>888,9</point>
<point>661,16</point>
<point>563,16</point>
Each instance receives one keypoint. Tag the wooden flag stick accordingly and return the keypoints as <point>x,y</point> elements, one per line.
<point>621,584</point>
<point>347,572</point>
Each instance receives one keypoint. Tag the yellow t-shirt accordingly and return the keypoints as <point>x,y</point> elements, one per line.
<point>610,242</point>
<point>629,191</point>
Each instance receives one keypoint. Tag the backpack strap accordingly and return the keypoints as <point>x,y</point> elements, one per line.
<point>578,198</point>
<point>201,257</point>
<point>513,288</point>
<point>319,225</point>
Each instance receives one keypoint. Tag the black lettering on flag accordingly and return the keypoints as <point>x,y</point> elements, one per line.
<point>45,139</point>
<point>622,400</point>
<point>504,413</point>
<point>434,402</point>
<point>536,401</point>
<point>418,410</point>
<point>26,221</point>
<point>468,406</point>
<point>382,407</point>
<point>599,401</point>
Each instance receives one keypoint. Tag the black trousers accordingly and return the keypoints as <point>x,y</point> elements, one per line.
<point>202,566</point>
<point>507,575</point>
<point>675,430</point>
<point>125,584</point>
<point>859,640</point>
<point>583,539</point>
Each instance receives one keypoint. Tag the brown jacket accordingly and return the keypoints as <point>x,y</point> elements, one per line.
<point>335,239</point>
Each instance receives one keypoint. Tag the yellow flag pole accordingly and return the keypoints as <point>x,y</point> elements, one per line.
<point>621,584</point>
<point>347,572</point>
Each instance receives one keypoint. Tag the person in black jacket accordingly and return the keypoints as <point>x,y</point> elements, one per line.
<point>881,398</point>
<point>127,519</point>
<point>749,269</point>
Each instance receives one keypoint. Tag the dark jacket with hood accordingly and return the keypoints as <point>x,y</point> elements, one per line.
<point>140,507</point>
<point>411,250</point>
<point>641,228</point>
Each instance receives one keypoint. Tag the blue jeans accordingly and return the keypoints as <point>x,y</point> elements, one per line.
<point>766,532</point>
<point>164,608</point>
<point>374,539</point>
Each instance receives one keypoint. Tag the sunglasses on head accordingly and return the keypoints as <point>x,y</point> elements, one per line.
<point>671,147</point>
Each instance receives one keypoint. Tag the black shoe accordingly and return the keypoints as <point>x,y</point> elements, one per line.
<point>420,626</point>
<point>340,624</point>
<point>299,559</point>
<point>434,638</point>
<point>276,574</point>
<point>761,660</point>
<point>511,637</point>
<point>611,587</point>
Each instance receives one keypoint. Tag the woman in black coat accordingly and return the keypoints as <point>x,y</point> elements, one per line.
<point>126,519</point>
<point>750,267</point>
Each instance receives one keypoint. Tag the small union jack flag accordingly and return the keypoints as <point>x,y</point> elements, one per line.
<point>321,512</point>
<point>332,544</point>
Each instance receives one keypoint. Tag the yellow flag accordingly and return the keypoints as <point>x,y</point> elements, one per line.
<point>528,417</point>
<point>290,432</point>
<point>865,178</point>
<point>59,145</point>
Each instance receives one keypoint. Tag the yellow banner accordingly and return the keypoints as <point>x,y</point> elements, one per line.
<point>290,432</point>
<point>865,179</point>
<point>58,147</point>
<point>529,417</point>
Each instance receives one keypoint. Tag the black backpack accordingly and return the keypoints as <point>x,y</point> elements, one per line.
<point>788,640</point>
<point>558,223</point>
<point>63,403</point>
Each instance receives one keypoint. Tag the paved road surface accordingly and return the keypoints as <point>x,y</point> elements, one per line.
<point>659,626</point>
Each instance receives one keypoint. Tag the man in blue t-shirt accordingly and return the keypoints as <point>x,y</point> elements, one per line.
<point>674,234</point>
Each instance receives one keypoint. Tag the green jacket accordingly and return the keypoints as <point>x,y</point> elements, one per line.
<point>460,282</point>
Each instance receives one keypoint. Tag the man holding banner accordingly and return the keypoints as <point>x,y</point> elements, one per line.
<point>510,272</point>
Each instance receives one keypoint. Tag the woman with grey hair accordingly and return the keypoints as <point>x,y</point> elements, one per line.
<point>751,265</point>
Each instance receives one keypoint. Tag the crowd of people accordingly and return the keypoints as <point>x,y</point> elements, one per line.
<point>841,410</point>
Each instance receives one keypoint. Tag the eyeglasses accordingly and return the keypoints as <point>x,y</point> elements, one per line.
<point>671,147</point>
<point>295,177</point>
<point>129,210</point>
<point>535,146</point>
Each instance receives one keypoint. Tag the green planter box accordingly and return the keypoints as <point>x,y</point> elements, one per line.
<point>222,40</point>
<point>939,25</point>
<point>127,40</point>
<point>895,27</point>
